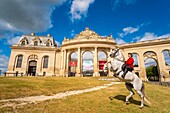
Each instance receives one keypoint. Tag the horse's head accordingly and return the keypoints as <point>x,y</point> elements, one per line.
<point>114,53</point>
<point>117,54</point>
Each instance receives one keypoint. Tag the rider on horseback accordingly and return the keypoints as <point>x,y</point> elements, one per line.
<point>128,66</point>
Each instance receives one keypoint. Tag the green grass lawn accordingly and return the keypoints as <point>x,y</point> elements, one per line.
<point>14,87</point>
<point>92,102</point>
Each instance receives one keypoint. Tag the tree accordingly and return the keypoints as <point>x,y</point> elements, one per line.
<point>152,72</point>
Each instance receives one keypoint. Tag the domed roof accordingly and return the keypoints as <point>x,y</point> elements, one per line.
<point>87,34</point>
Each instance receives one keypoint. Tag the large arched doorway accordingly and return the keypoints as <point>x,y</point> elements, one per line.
<point>87,64</point>
<point>32,67</point>
<point>72,64</point>
<point>102,59</point>
<point>152,67</point>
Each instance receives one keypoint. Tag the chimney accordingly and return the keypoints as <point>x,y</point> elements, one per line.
<point>32,34</point>
<point>48,35</point>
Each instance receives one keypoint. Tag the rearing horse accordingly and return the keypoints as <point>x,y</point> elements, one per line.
<point>131,79</point>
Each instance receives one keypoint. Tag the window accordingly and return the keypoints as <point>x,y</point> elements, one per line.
<point>19,61</point>
<point>23,43</point>
<point>35,43</point>
<point>45,62</point>
<point>48,44</point>
<point>135,57</point>
<point>166,54</point>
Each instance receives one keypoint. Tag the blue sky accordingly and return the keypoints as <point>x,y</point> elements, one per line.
<point>127,20</point>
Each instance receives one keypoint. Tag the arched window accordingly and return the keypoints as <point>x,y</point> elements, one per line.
<point>166,54</point>
<point>87,64</point>
<point>47,44</point>
<point>23,43</point>
<point>36,43</point>
<point>45,62</point>
<point>19,61</point>
<point>135,57</point>
<point>102,59</point>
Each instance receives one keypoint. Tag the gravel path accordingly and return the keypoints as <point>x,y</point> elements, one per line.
<point>33,99</point>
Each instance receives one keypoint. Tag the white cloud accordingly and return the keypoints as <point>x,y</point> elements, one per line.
<point>73,34</point>
<point>74,55</point>
<point>88,55</point>
<point>149,36</point>
<point>152,36</point>
<point>164,36</point>
<point>101,55</point>
<point>119,41</point>
<point>149,62</point>
<point>117,3</point>
<point>26,15</point>
<point>79,9</point>
<point>3,63</point>
<point>128,30</point>
<point>14,40</point>
<point>166,54</point>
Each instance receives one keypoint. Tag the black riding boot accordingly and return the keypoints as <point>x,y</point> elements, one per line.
<point>127,68</point>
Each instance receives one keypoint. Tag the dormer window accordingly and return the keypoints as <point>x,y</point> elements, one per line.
<point>23,43</point>
<point>36,43</point>
<point>47,44</point>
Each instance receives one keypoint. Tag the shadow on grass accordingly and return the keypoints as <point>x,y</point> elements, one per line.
<point>123,98</point>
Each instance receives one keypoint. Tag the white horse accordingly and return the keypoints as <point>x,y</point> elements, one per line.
<point>131,80</point>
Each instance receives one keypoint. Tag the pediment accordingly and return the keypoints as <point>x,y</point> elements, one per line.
<point>87,34</point>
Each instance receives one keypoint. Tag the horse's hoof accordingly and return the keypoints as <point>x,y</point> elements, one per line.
<point>140,107</point>
<point>127,102</point>
<point>110,98</point>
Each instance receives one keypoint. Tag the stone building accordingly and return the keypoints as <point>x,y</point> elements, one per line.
<point>83,55</point>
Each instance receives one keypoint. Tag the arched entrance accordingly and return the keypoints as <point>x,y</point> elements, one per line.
<point>152,67</point>
<point>87,64</point>
<point>32,67</point>
<point>102,59</point>
<point>72,64</point>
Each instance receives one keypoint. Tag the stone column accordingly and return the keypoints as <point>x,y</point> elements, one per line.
<point>25,64</point>
<point>78,69</point>
<point>67,64</point>
<point>40,61</point>
<point>161,63</point>
<point>142,73</point>
<point>95,59</point>
<point>64,62</point>
<point>62,59</point>
<point>161,60</point>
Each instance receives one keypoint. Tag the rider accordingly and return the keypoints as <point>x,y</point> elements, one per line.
<point>128,66</point>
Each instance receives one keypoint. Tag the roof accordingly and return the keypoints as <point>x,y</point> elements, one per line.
<point>42,39</point>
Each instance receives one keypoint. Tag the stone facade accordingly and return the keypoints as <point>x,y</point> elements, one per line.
<point>34,49</point>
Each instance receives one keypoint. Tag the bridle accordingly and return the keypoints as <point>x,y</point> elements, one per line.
<point>114,55</point>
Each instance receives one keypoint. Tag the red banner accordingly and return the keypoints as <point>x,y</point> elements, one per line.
<point>101,64</point>
<point>73,63</point>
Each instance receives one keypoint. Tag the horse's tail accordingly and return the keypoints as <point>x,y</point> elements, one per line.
<point>145,96</point>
